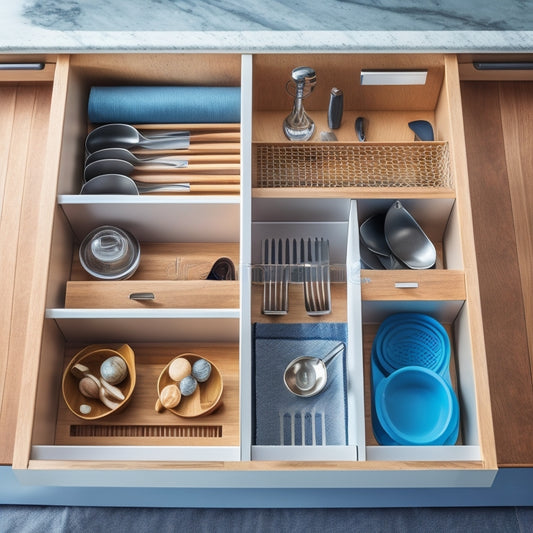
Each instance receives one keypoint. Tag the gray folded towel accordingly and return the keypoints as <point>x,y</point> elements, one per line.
<point>282,418</point>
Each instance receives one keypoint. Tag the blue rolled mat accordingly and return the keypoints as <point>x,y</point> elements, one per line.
<point>164,105</point>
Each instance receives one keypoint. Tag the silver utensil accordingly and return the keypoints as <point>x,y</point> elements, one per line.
<point>125,155</point>
<point>407,240</point>
<point>372,232</point>
<point>368,258</point>
<point>302,427</point>
<point>119,184</point>
<point>275,260</point>
<point>317,292</point>
<point>107,166</point>
<point>127,136</point>
<point>306,375</point>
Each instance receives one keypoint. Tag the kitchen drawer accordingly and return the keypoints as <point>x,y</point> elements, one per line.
<point>235,225</point>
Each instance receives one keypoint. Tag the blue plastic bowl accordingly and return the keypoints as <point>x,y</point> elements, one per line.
<point>415,406</point>
<point>412,339</point>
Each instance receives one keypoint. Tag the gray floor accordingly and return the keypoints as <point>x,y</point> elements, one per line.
<point>35,519</point>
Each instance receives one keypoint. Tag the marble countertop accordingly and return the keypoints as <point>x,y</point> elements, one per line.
<point>29,26</point>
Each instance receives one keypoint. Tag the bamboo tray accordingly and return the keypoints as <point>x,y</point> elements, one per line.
<point>205,399</point>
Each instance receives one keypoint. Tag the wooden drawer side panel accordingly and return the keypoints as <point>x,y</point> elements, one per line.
<point>24,117</point>
<point>34,266</point>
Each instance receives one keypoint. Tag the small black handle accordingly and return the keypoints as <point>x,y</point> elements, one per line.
<point>519,65</point>
<point>360,128</point>
<point>335,109</point>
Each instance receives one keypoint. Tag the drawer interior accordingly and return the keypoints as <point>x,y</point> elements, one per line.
<point>362,306</point>
<point>181,237</point>
<point>219,320</point>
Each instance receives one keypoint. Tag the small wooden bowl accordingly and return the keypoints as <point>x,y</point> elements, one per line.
<point>204,400</point>
<point>92,357</point>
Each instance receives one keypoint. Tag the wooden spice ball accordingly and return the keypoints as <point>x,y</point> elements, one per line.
<point>114,370</point>
<point>179,368</point>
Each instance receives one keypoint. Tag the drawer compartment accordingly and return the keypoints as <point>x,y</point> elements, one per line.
<point>170,275</point>
<point>341,165</point>
<point>59,434</point>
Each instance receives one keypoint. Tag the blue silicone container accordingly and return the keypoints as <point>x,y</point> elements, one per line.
<point>416,406</point>
<point>412,339</point>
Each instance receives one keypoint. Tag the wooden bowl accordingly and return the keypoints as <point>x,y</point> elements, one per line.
<point>92,357</point>
<point>204,400</point>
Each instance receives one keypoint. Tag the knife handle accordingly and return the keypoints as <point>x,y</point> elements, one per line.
<point>336,104</point>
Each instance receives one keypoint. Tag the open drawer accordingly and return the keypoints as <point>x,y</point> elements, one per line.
<point>70,311</point>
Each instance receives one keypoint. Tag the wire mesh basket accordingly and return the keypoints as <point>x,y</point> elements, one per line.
<point>419,164</point>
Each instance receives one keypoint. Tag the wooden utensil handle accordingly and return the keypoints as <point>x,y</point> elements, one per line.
<point>215,188</point>
<point>223,136</point>
<point>195,168</point>
<point>196,148</point>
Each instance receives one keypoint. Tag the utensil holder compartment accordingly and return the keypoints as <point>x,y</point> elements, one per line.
<point>334,220</point>
<point>58,434</point>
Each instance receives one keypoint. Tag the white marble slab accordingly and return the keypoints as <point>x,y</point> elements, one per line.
<point>269,25</point>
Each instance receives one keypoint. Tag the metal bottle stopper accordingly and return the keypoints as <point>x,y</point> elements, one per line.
<point>298,126</point>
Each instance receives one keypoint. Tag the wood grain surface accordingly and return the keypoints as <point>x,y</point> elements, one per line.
<point>499,142</point>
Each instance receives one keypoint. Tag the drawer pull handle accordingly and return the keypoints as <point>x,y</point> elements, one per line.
<point>406,285</point>
<point>142,296</point>
<point>480,65</point>
<point>21,66</point>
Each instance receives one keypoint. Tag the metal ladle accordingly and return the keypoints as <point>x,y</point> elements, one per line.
<point>127,136</point>
<point>108,166</point>
<point>372,233</point>
<point>306,375</point>
<point>120,184</point>
<point>407,240</point>
<point>125,155</point>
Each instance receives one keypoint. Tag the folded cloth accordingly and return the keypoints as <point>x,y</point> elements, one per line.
<point>164,105</point>
<point>281,418</point>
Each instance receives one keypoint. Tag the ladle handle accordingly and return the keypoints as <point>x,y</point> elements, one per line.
<point>331,355</point>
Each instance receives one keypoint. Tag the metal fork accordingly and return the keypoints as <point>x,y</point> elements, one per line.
<point>302,428</point>
<point>317,291</point>
<point>275,257</point>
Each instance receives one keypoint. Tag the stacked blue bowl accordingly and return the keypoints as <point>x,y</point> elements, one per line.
<point>414,403</point>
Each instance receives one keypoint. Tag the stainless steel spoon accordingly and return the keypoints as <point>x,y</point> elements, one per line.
<point>372,233</point>
<point>107,166</point>
<point>119,184</point>
<point>125,155</point>
<point>127,136</point>
<point>407,240</point>
<point>307,376</point>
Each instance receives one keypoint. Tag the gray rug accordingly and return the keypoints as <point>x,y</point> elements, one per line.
<point>35,519</point>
